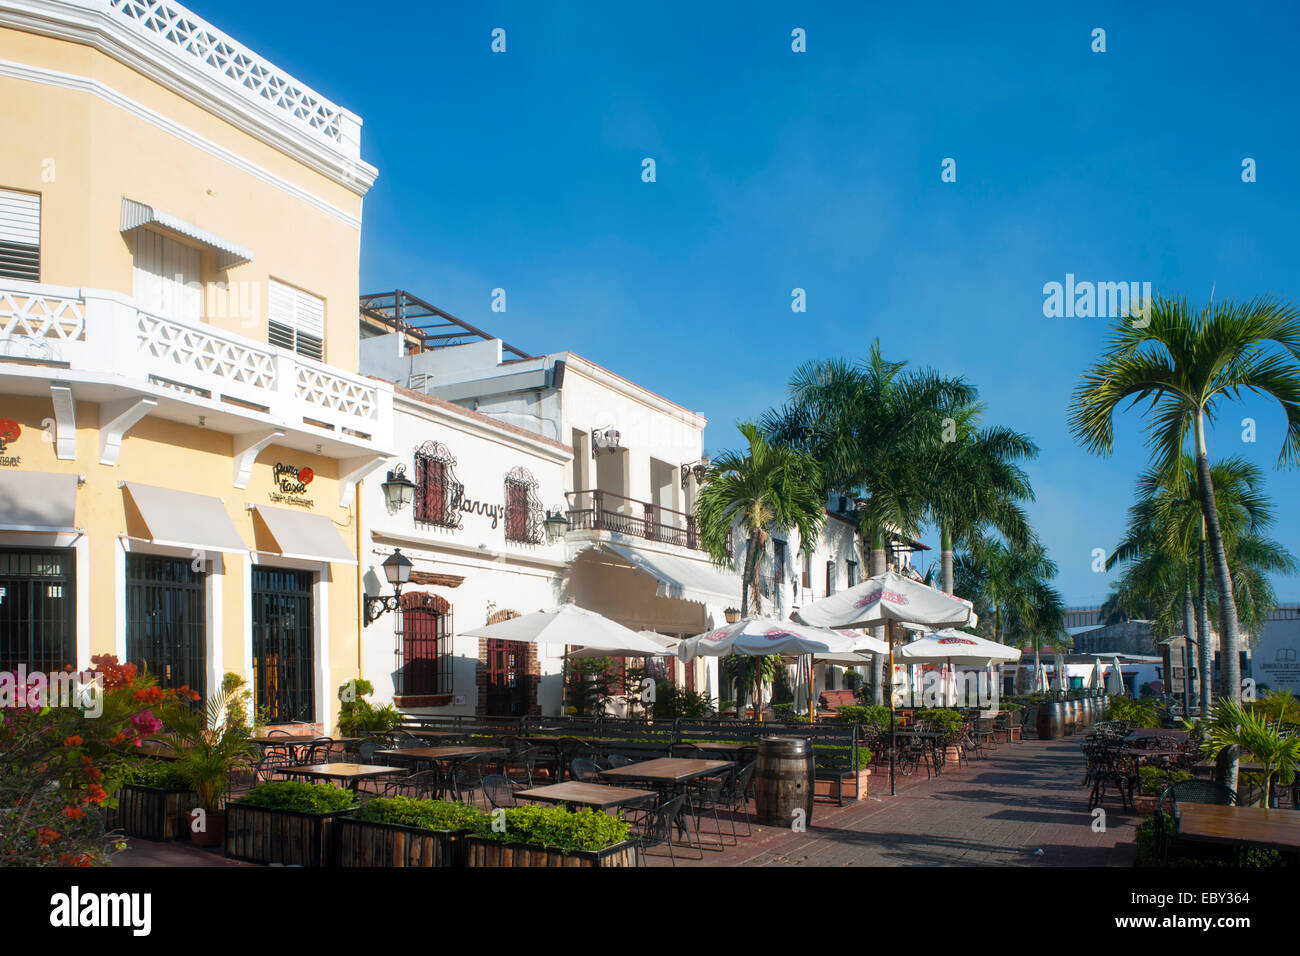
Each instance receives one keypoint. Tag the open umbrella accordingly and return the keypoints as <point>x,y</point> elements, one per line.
<point>955,648</point>
<point>889,599</point>
<point>667,648</point>
<point>569,624</point>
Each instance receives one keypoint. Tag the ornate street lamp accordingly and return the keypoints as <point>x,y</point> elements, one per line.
<point>399,491</point>
<point>556,524</point>
<point>732,615</point>
<point>397,568</point>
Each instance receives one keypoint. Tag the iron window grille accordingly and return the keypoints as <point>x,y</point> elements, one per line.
<point>284,660</point>
<point>37,609</point>
<point>166,620</point>
<point>424,663</point>
<point>524,514</point>
<point>438,493</point>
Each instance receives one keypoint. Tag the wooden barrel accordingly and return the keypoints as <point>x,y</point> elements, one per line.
<point>1051,720</point>
<point>1071,716</point>
<point>1085,712</point>
<point>783,781</point>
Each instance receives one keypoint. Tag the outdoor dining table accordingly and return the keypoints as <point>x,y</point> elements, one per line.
<point>349,773</point>
<point>599,795</point>
<point>1166,733</point>
<point>672,774</point>
<point>1239,826</point>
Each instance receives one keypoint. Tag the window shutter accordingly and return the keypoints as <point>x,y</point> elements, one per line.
<point>20,235</point>
<point>296,321</point>
<point>166,277</point>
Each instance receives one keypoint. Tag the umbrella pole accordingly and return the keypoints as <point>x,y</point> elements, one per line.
<point>812,716</point>
<point>893,733</point>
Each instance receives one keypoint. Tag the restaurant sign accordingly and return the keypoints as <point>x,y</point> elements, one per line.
<point>9,432</point>
<point>291,485</point>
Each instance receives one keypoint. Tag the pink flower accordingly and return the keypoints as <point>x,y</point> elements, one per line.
<point>146,724</point>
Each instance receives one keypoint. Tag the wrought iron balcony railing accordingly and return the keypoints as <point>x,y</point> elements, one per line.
<point>598,510</point>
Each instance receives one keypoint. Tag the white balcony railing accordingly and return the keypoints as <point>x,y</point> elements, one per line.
<point>105,336</point>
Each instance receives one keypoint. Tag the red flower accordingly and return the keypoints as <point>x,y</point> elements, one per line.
<point>73,741</point>
<point>95,793</point>
<point>74,813</point>
<point>45,836</point>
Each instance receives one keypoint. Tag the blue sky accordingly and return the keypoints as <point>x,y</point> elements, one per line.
<point>821,170</point>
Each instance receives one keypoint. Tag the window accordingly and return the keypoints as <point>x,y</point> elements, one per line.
<point>284,658</point>
<point>167,278</point>
<point>296,321</point>
<point>424,645</point>
<point>37,609</point>
<point>165,620</point>
<point>830,578</point>
<point>851,568</point>
<point>807,570</point>
<point>778,562</point>
<point>523,510</point>
<point>20,235</point>
<point>437,492</point>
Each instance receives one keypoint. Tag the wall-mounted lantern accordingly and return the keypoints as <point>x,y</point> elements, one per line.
<point>605,439</point>
<point>397,569</point>
<point>399,491</point>
<point>700,469</point>
<point>556,523</point>
<point>732,614</point>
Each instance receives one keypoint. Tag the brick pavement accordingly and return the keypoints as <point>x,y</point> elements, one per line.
<point>997,811</point>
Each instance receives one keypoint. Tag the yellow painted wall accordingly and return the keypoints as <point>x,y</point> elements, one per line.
<point>186,458</point>
<point>101,153</point>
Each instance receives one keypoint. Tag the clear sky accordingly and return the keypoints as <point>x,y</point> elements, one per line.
<point>821,170</point>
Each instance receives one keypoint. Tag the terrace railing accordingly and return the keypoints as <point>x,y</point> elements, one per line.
<point>599,510</point>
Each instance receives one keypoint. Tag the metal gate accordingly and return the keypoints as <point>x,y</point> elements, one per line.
<point>283,645</point>
<point>166,620</point>
<point>37,609</point>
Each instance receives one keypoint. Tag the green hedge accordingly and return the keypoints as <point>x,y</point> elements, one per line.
<point>872,714</point>
<point>147,772</point>
<point>424,814</point>
<point>554,827</point>
<point>301,797</point>
<point>1134,713</point>
<point>1155,779</point>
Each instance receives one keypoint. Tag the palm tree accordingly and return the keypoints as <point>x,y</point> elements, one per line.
<point>865,423</point>
<point>1187,363</point>
<point>973,482</point>
<point>1231,726</point>
<point>772,488</point>
<point>1011,588</point>
<point>1164,549</point>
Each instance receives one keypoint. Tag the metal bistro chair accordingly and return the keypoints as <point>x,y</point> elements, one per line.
<point>272,767</point>
<point>500,791</point>
<point>658,828</point>
<point>584,770</point>
<point>422,785</point>
<point>464,776</point>
<point>366,749</point>
<point>618,760</point>
<point>1186,791</point>
<point>1117,768</point>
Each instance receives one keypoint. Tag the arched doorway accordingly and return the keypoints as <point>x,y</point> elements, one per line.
<point>507,674</point>
<point>424,666</point>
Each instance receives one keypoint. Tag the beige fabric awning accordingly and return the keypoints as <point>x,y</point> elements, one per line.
<point>185,520</point>
<point>687,579</point>
<point>38,501</point>
<point>300,534</point>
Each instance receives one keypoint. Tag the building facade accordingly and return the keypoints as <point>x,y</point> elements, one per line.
<point>182,419</point>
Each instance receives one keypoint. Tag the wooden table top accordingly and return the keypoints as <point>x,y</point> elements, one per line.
<point>668,768</point>
<point>340,771</point>
<point>726,748</point>
<point>588,794</point>
<point>441,753</point>
<point>1156,732</point>
<point>1256,826</point>
<point>301,741</point>
<point>436,734</point>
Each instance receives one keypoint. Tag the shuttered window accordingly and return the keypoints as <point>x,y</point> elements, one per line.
<point>167,280</point>
<point>20,235</point>
<point>296,321</point>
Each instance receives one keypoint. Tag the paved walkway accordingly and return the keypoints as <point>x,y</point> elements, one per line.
<point>999,811</point>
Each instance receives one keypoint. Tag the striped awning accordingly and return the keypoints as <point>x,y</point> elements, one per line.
<point>137,214</point>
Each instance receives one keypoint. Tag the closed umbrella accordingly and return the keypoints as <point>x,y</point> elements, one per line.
<point>1094,679</point>
<point>889,599</point>
<point>1116,679</point>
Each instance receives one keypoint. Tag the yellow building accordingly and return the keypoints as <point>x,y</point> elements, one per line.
<point>182,425</point>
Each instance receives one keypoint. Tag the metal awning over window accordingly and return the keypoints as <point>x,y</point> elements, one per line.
<point>682,578</point>
<point>185,520</point>
<point>310,537</point>
<point>137,214</point>
<point>37,501</point>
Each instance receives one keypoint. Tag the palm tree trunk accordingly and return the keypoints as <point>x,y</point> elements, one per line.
<point>1191,628</point>
<point>876,565</point>
<point>1204,658</point>
<point>945,558</point>
<point>1228,637</point>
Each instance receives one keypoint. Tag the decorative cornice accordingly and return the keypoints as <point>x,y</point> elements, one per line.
<point>184,53</point>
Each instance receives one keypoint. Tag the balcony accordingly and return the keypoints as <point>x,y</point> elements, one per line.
<point>106,347</point>
<point>597,510</point>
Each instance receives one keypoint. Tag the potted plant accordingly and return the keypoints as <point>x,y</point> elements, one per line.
<point>287,822</point>
<point>549,836</point>
<point>358,717</point>
<point>1152,783</point>
<point>402,831</point>
<point>833,787</point>
<point>211,744</point>
<point>1252,731</point>
<point>154,802</point>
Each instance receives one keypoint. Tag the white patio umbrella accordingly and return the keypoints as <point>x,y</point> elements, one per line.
<point>668,647</point>
<point>1116,678</point>
<point>889,599</point>
<point>1094,679</point>
<point>1040,678</point>
<point>759,637</point>
<point>569,624</point>
<point>955,648</point>
<point>1058,672</point>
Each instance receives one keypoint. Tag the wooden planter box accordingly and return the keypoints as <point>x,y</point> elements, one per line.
<point>1144,803</point>
<point>830,789</point>
<point>483,852</point>
<point>364,843</point>
<point>259,835</point>
<point>151,813</point>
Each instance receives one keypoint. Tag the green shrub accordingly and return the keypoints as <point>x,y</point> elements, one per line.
<point>786,714</point>
<point>828,756</point>
<point>949,721</point>
<point>159,774</point>
<point>1134,713</point>
<point>301,797</point>
<point>1155,779</point>
<point>358,716</point>
<point>554,827</point>
<point>424,814</point>
<point>875,715</point>
<point>673,701</point>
